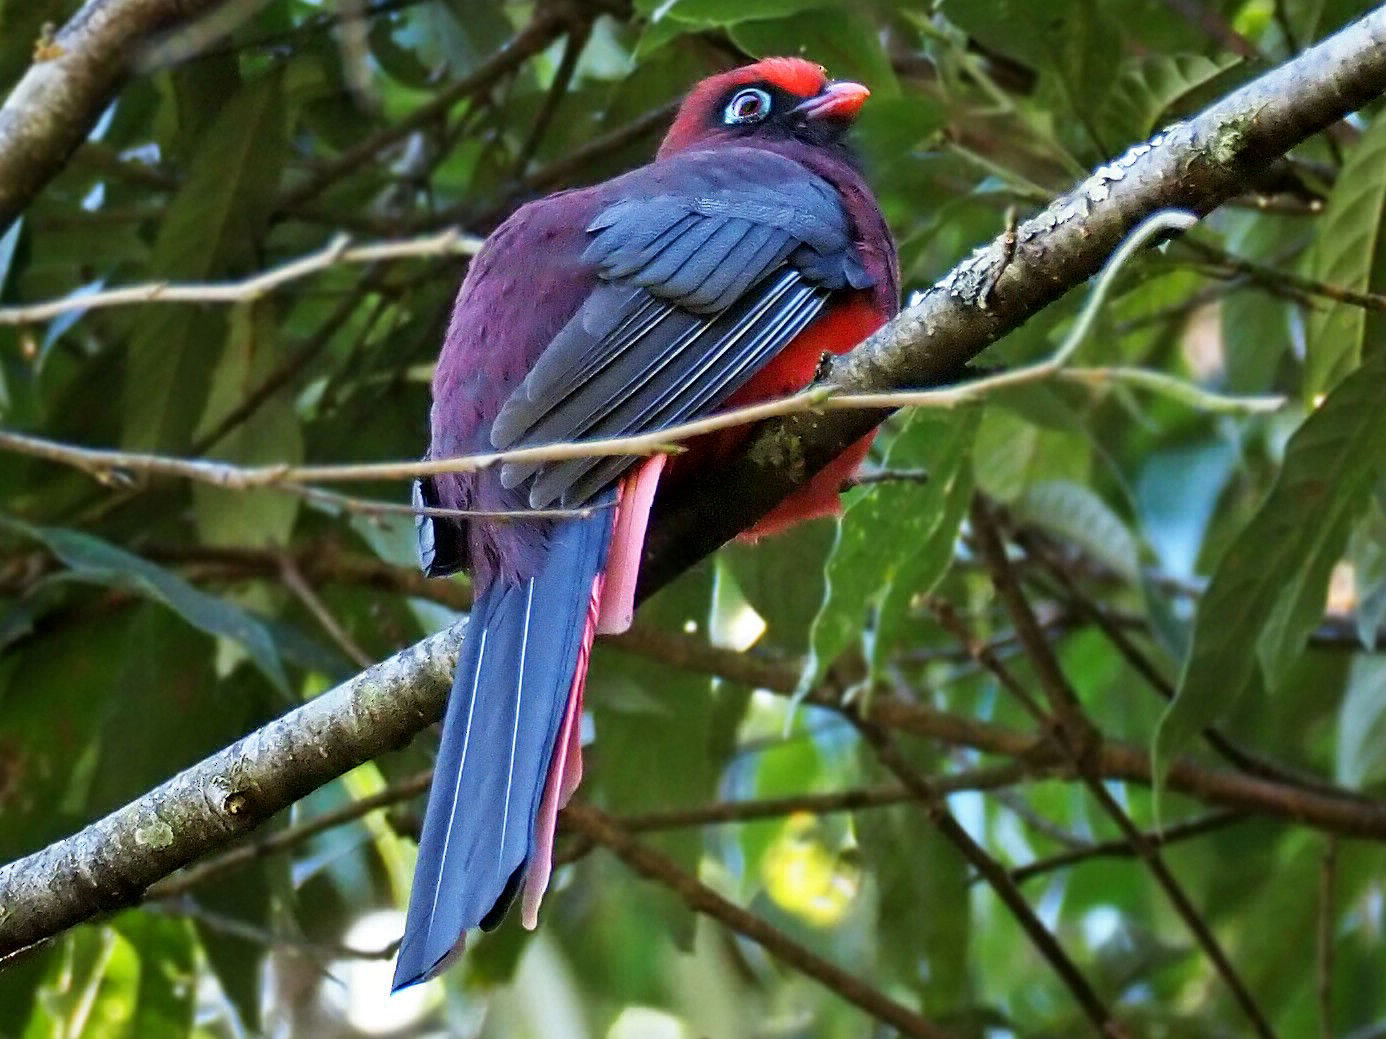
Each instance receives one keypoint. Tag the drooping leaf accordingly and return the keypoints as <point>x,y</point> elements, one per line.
<point>896,531</point>
<point>1348,253</point>
<point>100,562</point>
<point>1268,590</point>
<point>210,229</point>
<point>1150,87</point>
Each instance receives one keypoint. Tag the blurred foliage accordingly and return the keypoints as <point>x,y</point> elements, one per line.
<point>144,626</point>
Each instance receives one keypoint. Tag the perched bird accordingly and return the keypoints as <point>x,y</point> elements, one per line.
<point>717,275</point>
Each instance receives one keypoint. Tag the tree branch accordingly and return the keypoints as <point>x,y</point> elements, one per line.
<point>73,78</point>
<point>1193,165</point>
<point>656,866</point>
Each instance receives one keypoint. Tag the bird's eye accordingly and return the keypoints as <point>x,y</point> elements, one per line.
<point>748,106</point>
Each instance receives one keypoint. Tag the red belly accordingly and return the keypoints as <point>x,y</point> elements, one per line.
<point>836,331</point>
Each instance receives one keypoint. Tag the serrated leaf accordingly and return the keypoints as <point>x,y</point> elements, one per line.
<point>211,227</point>
<point>1076,513</point>
<point>883,533</point>
<point>100,562</point>
<point>1147,88</point>
<point>1347,252</point>
<point>1267,593</point>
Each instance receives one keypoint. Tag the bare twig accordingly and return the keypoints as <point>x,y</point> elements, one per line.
<point>994,874</point>
<point>53,107</point>
<point>654,865</point>
<point>303,591</point>
<point>451,242</point>
<point>1120,847</point>
<point>1328,916</point>
<point>533,38</point>
<point>1082,740</point>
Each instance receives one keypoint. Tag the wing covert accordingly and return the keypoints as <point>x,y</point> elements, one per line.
<point>708,265</point>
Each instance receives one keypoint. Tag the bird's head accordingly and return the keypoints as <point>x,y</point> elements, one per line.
<point>777,98</point>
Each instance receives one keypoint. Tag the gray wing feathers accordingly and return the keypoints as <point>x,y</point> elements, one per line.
<point>705,274</point>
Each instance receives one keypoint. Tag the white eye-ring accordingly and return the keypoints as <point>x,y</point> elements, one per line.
<point>748,106</point>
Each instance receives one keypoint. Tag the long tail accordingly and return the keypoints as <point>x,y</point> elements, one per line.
<point>515,688</point>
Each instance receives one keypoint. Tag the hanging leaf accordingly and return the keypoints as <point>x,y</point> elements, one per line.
<point>1268,591</point>
<point>892,532</point>
<point>210,229</point>
<point>100,562</point>
<point>1347,253</point>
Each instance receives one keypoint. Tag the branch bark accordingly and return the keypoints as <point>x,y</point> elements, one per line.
<point>73,78</point>
<point>1194,165</point>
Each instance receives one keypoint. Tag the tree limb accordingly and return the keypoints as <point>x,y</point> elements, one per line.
<point>71,82</point>
<point>1193,165</point>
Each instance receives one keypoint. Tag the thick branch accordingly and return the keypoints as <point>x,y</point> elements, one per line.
<point>1194,165</point>
<point>74,77</point>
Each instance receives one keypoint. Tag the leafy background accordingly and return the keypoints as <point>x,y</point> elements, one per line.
<point>1240,560</point>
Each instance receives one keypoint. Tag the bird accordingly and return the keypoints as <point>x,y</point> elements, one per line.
<point>719,274</point>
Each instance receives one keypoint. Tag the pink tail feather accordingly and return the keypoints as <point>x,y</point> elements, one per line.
<point>609,611</point>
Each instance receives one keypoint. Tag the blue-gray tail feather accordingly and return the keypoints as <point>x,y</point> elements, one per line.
<point>513,678</point>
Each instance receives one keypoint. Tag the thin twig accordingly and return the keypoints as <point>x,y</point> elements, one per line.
<point>654,865</point>
<point>1275,278</point>
<point>450,242</point>
<point>533,38</point>
<point>1122,848</point>
<point>993,873</point>
<point>1328,867</point>
<point>294,580</point>
<point>1082,741</point>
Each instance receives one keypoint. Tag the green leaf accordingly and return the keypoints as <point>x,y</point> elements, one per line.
<point>100,562</point>
<point>270,434</point>
<point>211,228</point>
<point>724,12</point>
<point>167,973</point>
<point>663,734</point>
<point>1267,593</point>
<point>845,41</point>
<point>894,532</point>
<point>1147,88</point>
<point>1367,553</point>
<point>924,920</point>
<point>92,988</point>
<point>9,241</point>
<point>1347,253</point>
<point>1256,325</point>
<point>1077,514</point>
<point>1012,452</point>
<point>1361,753</point>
